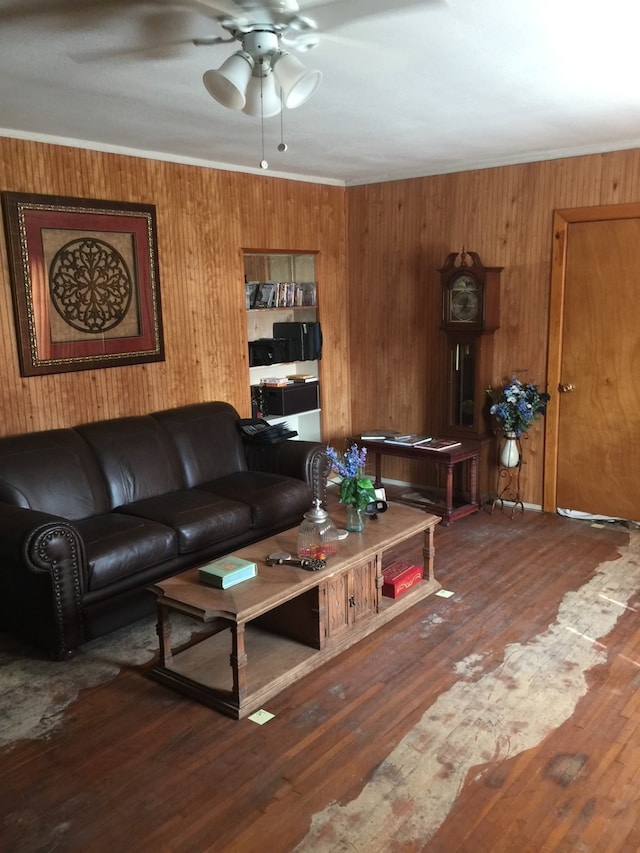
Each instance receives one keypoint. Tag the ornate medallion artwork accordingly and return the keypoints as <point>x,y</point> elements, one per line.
<point>84,276</point>
<point>90,285</point>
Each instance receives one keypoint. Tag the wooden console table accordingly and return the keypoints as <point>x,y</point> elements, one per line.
<point>274,628</point>
<point>465,452</point>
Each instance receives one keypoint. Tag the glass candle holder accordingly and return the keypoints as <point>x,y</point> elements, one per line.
<point>317,535</point>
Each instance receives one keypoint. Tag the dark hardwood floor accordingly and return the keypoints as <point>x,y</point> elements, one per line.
<point>137,767</point>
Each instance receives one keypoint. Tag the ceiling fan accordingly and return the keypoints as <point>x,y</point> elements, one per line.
<point>263,76</point>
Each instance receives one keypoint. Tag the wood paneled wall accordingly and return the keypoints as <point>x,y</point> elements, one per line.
<point>379,248</point>
<point>400,233</point>
<point>206,218</point>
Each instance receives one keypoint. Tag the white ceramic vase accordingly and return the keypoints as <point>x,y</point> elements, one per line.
<point>510,453</point>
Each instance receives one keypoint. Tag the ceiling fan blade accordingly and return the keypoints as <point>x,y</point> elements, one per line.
<point>164,50</point>
<point>226,7</point>
<point>161,34</point>
<point>329,14</point>
<point>22,9</point>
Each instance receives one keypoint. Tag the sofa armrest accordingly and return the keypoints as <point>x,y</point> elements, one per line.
<point>304,460</point>
<point>42,579</point>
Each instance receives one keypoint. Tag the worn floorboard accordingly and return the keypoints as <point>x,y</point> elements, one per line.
<point>135,766</point>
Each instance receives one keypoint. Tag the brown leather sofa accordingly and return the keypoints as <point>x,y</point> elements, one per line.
<point>91,515</point>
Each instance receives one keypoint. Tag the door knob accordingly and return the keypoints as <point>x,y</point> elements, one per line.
<point>565,389</point>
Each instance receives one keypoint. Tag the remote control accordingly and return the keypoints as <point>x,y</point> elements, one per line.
<point>309,564</point>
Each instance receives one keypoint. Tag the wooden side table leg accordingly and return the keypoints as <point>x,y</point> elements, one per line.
<point>473,480</point>
<point>238,660</point>
<point>448,499</point>
<point>163,629</point>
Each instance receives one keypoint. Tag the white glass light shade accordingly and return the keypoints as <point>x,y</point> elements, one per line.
<point>296,81</point>
<point>229,83</point>
<point>271,105</point>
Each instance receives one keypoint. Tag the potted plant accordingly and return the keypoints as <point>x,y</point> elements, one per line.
<point>356,487</point>
<point>516,406</point>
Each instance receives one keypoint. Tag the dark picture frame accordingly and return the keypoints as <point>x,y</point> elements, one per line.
<point>85,282</point>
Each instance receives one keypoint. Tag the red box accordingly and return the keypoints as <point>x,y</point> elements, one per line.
<point>399,577</point>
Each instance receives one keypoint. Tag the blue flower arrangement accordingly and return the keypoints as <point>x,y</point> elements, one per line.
<point>518,405</point>
<point>356,487</point>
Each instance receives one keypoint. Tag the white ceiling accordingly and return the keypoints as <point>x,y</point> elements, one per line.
<point>419,89</point>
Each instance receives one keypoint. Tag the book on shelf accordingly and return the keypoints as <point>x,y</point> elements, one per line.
<point>285,294</point>
<point>442,444</point>
<point>302,377</point>
<point>276,381</point>
<point>264,295</point>
<point>378,434</point>
<point>408,440</point>
<point>227,571</point>
<point>251,292</point>
<point>306,293</point>
<point>274,294</point>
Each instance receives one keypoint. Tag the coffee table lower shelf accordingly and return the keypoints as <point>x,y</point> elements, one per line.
<point>204,670</point>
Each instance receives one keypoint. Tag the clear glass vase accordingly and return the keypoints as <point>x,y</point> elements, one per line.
<point>355,518</point>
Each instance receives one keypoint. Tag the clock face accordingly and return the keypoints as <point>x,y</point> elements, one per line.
<point>464,299</point>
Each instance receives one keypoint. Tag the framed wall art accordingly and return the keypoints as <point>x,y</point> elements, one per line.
<point>84,280</point>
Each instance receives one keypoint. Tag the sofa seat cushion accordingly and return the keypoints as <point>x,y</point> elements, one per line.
<point>199,518</point>
<point>117,546</point>
<point>274,499</point>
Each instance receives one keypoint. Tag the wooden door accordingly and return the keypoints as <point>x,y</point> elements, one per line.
<point>593,429</point>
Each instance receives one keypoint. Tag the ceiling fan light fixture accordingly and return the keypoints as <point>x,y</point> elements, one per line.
<point>265,87</point>
<point>296,81</point>
<point>229,83</point>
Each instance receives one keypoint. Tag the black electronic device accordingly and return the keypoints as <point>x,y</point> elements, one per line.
<point>260,431</point>
<point>269,351</point>
<point>290,399</point>
<point>372,509</point>
<point>305,340</point>
<point>308,563</point>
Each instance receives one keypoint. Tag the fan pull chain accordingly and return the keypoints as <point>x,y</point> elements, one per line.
<point>263,162</point>
<point>283,144</point>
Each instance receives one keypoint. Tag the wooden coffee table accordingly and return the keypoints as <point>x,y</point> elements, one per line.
<point>271,630</point>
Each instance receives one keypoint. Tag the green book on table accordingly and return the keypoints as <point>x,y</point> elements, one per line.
<point>227,571</point>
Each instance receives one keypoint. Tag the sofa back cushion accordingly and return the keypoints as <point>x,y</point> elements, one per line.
<point>136,457</point>
<point>52,471</point>
<point>207,440</point>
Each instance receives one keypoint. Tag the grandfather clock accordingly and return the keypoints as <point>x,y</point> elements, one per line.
<point>470,316</point>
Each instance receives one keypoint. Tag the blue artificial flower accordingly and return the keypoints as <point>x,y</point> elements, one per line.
<point>518,405</point>
<point>356,487</point>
